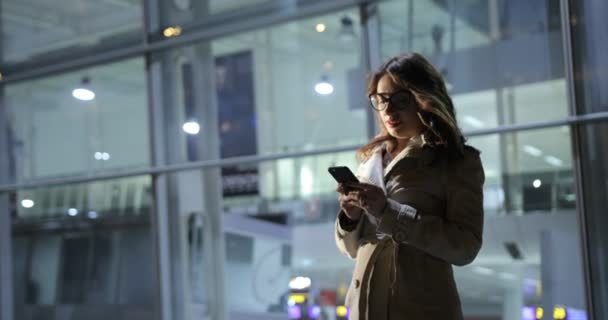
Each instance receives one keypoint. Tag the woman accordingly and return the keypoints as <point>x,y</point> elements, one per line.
<point>418,208</point>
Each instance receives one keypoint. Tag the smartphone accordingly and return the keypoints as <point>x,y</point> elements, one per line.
<point>343,174</point>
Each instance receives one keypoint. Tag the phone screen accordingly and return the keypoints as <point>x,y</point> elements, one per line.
<point>342,174</point>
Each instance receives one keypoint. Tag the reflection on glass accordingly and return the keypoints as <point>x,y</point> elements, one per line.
<point>477,45</point>
<point>527,172</point>
<point>305,83</point>
<point>86,247</point>
<point>127,197</point>
<point>64,125</point>
<point>526,250</point>
<point>31,29</point>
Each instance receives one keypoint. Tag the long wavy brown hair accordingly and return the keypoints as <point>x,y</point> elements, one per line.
<point>413,72</point>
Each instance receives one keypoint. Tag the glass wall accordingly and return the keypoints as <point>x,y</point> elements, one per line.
<point>79,123</point>
<point>477,45</point>
<point>36,30</point>
<point>84,249</point>
<point>184,231</point>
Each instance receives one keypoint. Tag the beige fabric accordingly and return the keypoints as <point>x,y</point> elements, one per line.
<point>408,274</point>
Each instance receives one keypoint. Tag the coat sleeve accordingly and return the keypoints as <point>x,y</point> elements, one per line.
<point>455,238</point>
<point>347,239</point>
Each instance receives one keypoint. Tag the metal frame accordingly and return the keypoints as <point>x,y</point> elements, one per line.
<point>370,53</point>
<point>6,256</point>
<point>170,168</point>
<point>576,141</point>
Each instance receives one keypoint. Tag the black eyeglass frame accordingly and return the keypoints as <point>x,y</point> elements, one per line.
<point>388,98</point>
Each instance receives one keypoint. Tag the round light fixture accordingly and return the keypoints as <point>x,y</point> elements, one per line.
<point>191,127</point>
<point>27,203</point>
<point>324,87</point>
<point>84,93</point>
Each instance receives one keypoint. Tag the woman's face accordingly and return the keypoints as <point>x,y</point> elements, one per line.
<point>399,116</point>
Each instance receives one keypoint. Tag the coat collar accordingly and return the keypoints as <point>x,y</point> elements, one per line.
<point>417,151</point>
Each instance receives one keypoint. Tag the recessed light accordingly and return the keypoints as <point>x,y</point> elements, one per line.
<point>27,203</point>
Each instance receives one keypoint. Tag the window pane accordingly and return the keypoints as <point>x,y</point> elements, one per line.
<point>84,248</point>
<point>33,28</point>
<point>191,12</point>
<point>528,172</point>
<point>80,122</point>
<point>530,220</point>
<point>291,62</point>
<point>477,46</point>
<point>279,89</point>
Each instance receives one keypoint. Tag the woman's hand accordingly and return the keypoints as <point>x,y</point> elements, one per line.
<point>349,203</point>
<point>368,197</point>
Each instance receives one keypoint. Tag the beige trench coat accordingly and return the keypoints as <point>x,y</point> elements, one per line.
<point>408,273</point>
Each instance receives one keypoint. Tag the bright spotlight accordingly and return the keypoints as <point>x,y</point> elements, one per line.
<point>72,212</point>
<point>27,203</point>
<point>83,94</point>
<point>324,88</point>
<point>191,127</point>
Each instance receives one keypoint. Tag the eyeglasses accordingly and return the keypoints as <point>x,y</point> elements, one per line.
<point>400,100</point>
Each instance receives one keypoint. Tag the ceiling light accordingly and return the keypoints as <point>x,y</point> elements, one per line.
<point>92,214</point>
<point>98,155</point>
<point>172,31</point>
<point>554,161</point>
<point>72,212</point>
<point>105,156</point>
<point>473,122</point>
<point>537,183</point>
<point>324,87</point>
<point>533,151</point>
<point>191,127</point>
<point>320,27</point>
<point>27,203</point>
<point>84,93</point>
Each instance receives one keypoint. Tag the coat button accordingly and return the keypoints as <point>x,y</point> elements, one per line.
<point>357,284</point>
